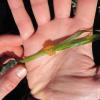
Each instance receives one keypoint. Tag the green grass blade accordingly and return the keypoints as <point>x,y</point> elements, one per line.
<point>74,43</point>
<point>76,35</point>
<point>77,42</point>
<point>32,57</point>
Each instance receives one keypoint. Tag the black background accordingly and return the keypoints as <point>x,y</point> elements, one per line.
<point>7,25</point>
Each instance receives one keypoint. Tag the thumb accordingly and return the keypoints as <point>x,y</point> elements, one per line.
<point>11,79</point>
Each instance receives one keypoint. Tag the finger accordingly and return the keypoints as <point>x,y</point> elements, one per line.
<point>41,11</point>
<point>86,10</point>
<point>11,79</point>
<point>17,50</point>
<point>21,17</point>
<point>10,40</point>
<point>62,8</point>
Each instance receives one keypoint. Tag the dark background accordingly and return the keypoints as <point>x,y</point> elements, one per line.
<point>7,25</point>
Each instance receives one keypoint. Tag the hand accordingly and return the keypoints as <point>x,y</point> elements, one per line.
<point>68,75</point>
<point>11,79</point>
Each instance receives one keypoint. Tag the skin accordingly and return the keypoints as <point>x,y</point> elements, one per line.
<point>68,75</point>
<point>10,80</point>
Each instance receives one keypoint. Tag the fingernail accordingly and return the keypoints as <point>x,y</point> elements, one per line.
<point>21,73</point>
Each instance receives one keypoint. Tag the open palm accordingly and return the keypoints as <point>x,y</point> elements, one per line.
<point>67,75</point>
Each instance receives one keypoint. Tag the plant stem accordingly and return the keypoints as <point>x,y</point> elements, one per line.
<point>70,42</point>
<point>61,46</point>
<point>33,57</point>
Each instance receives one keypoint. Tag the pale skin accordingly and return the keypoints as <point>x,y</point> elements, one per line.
<point>11,79</point>
<point>68,75</point>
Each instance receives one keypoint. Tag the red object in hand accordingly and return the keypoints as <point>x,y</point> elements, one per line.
<point>6,56</point>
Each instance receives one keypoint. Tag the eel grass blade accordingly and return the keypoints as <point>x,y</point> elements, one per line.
<point>41,52</point>
<point>70,42</point>
<point>76,35</point>
<point>62,46</point>
<point>33,57</point>
<point>77,42</point>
